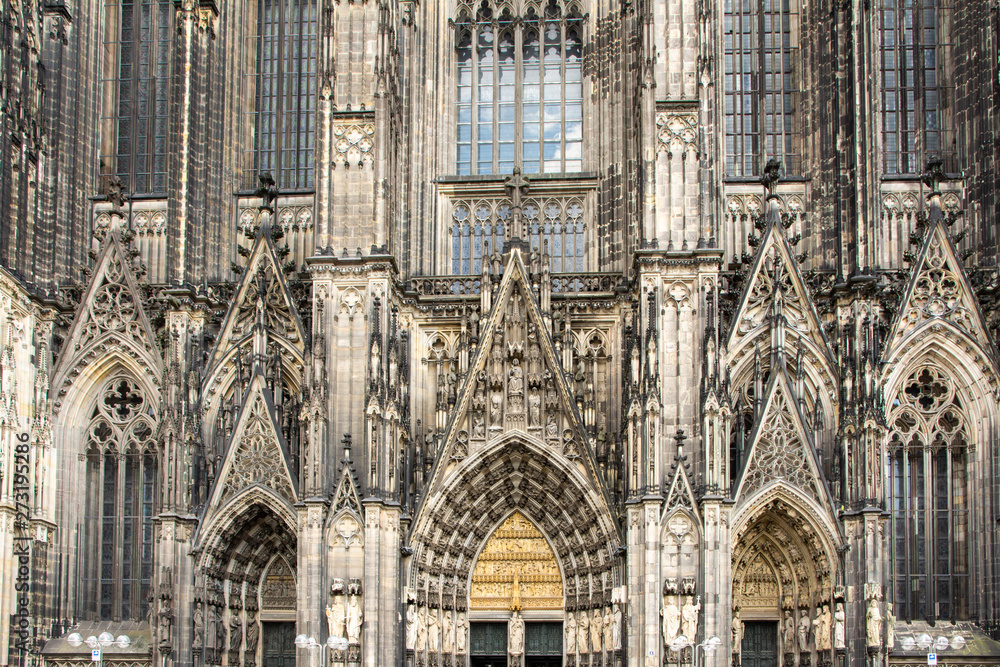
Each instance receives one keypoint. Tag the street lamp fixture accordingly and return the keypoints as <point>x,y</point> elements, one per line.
<point>74,639</point>
<point>305,642</point>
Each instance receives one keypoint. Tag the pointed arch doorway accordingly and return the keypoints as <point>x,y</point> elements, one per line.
<point>516,573</point>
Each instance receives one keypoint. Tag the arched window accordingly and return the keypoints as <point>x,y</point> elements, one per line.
<point>520,92</point>
<point>928,498</point>
<point>287,47</point>
<point>121,500</point>
<point>762,86</point>
<point>135,125</point>
<point>916,121</point>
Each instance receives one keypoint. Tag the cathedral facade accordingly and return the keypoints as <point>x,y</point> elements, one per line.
<point>618,333</point>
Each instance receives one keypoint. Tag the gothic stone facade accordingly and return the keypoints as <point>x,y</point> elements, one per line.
<point>597,388</point>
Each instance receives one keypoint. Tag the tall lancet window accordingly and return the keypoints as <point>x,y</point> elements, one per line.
<point>520,91</point>
<point>135,124</point>
<point>916,113</point>
<point>287,47</point>
<point>761,86</point>
<point>120,503</point>
<point>928,498</point>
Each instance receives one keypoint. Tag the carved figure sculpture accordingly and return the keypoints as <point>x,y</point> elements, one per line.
<point>422,630</point>
<point>433,631</point>
<point>671,619</point>
<point>737,627</point>
<point>570,633</point>
<point>788,632</point>
<point>874,623</point>
<point>462,633</point>
<point>582,625</point>
<point>335,617</point>
<point>690,614</point>
<point>608,629</point>
<point>823,637</point>
<point>890,626</point>
<point>199,628</point>
<point>447,632</point>
<point>616,630</point>
<point>515,635</point>
<point>596,631</point>
<point>839,622</point>
<point>804,631</point>
<point>354,619</point>
<point>411,626</point>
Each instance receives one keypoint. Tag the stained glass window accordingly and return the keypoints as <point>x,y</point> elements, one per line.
<point>761,85</point>
<point>916,122</point>
<point>121,467</point>
<point>139,34</point>
<point>928,499</point>
<point>520,92</point>
<point>285,83</point>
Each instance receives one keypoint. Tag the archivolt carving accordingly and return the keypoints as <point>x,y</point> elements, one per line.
<point>515,476</point>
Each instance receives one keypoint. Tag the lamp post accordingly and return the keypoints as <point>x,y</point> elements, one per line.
<point>310,642</point>
<point>708,646</point>
<point>99,644</point>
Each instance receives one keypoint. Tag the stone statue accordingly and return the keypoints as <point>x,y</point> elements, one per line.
<point>616,629</point>
<point>516,384</point>
<point>422,630</point>
<point>788,632</point>
<point>890,626</point>
<point>839,629</point>
<point>199,628</point>
<point>335,617</point>
<point>515,635</point>
<point>690,614</point>
<point>447,632</point>
<point>671,619</point>
<point>822,631</point>
<point>354,618</point>
<point>462,633</point>
<point>608,630</point>
<point>433,631</point>
<point>220,631</point>
<point>596,631</point>
<point>570,633</point>
<point>804,631</point>
<point>582,625</point>
<point>411,626</point>
<point>737,627</point>
<point>874,621</point>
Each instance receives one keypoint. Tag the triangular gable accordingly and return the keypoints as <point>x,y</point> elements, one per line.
<point>111,308</point>
<point>939,290</point>
<point>346,495</point>
<point>680,494</point>
<point>256,453</point>
<point>516,384</point>
<point>262,275</point>
<point>774,267</point>
<point>781,447</point>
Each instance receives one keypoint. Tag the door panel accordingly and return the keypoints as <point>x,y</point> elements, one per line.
<point>279,645</point>
<point>760,644</point>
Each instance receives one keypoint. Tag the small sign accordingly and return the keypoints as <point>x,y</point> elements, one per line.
<point>932,659</point>
<point>95,655</point>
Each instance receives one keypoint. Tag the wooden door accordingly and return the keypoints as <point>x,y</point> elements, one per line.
<point>760,644</point>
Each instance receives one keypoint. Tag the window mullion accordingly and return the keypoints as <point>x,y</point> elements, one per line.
<point>474,100</point>
<point>119,533</point>
<point>519,94</point>
<point>562,93</point>
<point>950,488</point>
<point>910,542</point>
<point>496,96</point>
<point>928,457</point>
